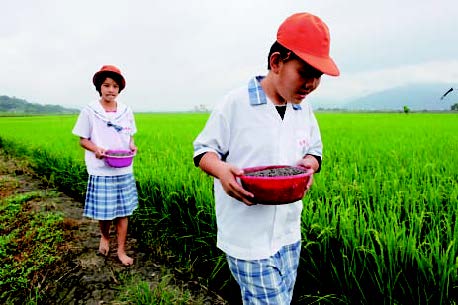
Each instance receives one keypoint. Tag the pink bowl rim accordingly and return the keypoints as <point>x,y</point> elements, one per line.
<point>256,168</point>
<point>119,151</point>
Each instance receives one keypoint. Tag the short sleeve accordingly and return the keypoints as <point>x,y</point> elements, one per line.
<point>316,145</point>
<point>132,122</point>
<point>83,125</point>
<point>215,136</point>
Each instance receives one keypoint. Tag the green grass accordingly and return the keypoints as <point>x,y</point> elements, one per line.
<point>378,223</point>
<point>29,243</point>
<point>164,292</point>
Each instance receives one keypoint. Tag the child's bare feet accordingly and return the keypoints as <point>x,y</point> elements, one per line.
<point>104,246</point>
<point>125,260</point>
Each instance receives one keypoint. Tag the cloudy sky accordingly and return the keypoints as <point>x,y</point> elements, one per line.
<point>179,54</point>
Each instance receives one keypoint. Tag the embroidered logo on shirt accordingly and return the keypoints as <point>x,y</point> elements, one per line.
<point>303,142</point>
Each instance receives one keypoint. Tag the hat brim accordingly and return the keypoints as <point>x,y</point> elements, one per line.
<point>101,74</point>
<point>325,65</point>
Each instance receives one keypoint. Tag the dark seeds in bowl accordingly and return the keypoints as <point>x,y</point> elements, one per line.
<point>275,172</point>
<point>119,154</point>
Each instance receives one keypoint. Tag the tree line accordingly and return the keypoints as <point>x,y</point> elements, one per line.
<point>17,105</point>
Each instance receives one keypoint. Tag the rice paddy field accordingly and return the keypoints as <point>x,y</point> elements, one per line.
<point>379,224</point>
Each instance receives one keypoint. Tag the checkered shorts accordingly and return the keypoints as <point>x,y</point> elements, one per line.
<point>110,197</point>
<point>267,281</point>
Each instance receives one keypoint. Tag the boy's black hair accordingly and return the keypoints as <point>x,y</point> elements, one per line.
<point>285,54</point>
<point>103,76</point>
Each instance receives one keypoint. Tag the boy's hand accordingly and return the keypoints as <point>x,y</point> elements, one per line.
<point>228,178</point>
<point>227,175</point>
<point>311,165</point>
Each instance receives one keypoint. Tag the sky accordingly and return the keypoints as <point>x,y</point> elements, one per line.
<point>176,55</point>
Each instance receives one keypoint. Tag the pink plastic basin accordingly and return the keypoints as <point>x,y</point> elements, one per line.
<point>113,158</point>
<point>276,189</point>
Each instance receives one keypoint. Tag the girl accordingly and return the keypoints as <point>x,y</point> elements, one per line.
<point>111,192</point>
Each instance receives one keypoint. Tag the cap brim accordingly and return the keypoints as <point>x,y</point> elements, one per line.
<point>325,65</point>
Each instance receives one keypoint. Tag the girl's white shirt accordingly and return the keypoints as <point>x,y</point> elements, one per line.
<point>110,130</point>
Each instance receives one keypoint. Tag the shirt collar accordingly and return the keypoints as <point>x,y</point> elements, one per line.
<point>257,95</point>
<point>97,108</point>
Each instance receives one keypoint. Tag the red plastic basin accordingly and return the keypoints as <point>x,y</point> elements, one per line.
<point>276,189</point>
<point>118,157</point>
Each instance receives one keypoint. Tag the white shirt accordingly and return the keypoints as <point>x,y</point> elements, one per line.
<point>246,129</point>
<point>107,130</point>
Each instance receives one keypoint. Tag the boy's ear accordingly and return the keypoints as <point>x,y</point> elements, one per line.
<point>275,60</point>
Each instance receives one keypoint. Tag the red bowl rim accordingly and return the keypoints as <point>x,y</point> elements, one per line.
<point>257,168</point>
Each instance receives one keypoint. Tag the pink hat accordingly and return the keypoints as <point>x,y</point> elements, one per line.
<point>107,69</point>
<point>308,37</point>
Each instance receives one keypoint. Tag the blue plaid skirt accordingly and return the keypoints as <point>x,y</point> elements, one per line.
<point>110,197</point>
<point>270,280</point>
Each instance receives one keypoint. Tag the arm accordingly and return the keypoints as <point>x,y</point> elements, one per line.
<point>89,145</point>
<point>226,173</point>
<point>310,163</point>
<point>132,146</point>
<point>312,158</point>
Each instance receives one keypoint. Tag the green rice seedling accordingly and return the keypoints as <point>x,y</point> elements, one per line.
<point>379,224</point>
<point>387,191</point>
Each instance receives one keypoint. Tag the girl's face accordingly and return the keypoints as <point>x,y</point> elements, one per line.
<point>109,90</point>
<point>296,79</point>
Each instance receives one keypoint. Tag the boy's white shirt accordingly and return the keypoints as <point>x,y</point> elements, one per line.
<point>255,135</point>
<point>92,124</point>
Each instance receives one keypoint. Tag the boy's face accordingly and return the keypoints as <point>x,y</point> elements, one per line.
<point>296,79</point>
<point>109,90</point>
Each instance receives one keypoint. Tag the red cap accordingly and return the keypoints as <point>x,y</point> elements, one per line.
<point>308,37</point>
<point>109,69</point>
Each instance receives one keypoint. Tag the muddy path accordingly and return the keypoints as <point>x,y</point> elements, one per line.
<point>85,277</point>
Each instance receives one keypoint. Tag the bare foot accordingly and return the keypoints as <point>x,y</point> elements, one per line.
<point>125,260</point>
<point>104,246</point>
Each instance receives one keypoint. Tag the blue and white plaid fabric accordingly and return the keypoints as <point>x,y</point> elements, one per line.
<point>255,92</point>
<point>257,95</point>
<point>267,281</point>
<point>110,197</point>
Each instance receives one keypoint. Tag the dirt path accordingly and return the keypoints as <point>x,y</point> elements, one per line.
<point>85,277</point>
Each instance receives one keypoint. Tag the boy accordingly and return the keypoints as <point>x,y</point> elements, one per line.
<point>265,123</point>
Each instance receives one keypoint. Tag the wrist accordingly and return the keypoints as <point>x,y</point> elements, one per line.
<point>312,162</point>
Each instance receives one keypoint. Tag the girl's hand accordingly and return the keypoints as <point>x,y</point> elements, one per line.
<point>100,152</point>
<point>90,146</point>
<point>133,148</point>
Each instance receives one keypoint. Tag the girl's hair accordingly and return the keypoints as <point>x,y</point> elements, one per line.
<point>103,76</point>
<point>285,54</point>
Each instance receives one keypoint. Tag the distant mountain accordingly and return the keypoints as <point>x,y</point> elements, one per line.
<point>416,96</point>
<point>16,105</point>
